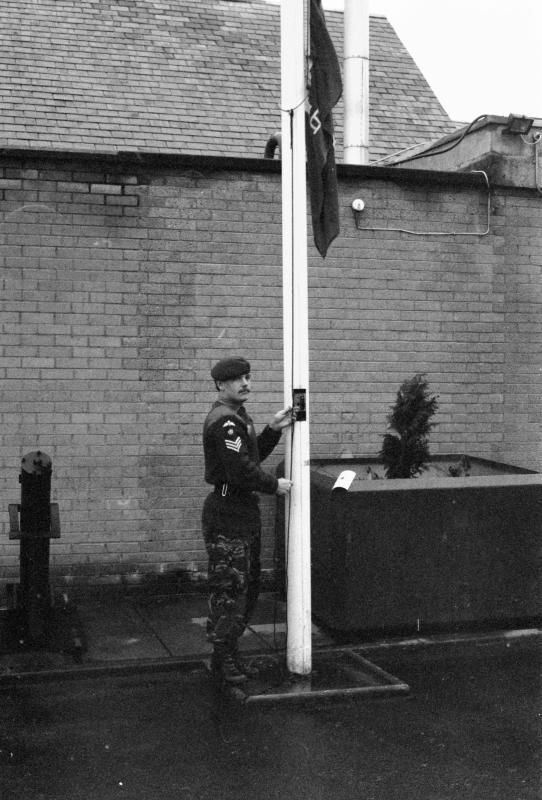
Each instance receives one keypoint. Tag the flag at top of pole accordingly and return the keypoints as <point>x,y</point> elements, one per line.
<point>325,89</point>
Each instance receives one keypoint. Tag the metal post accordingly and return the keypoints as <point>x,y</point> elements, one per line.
<point>34,522</point>
<point>356,81</point>
<point>296,345</point>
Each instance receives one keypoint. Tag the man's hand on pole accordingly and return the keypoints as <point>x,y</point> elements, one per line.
<point>284,486</point>
<point>282,419</point>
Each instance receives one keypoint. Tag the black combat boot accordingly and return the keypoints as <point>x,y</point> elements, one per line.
<point>223,665</point>
<point>244,667</point>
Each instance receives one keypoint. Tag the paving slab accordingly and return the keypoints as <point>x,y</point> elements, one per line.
<point>117,632</point>
<point>179,623</point>
<point>176,622</point>
<point>119,629</point>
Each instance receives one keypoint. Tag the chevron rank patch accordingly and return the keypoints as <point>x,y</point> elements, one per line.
<point>234,444</point>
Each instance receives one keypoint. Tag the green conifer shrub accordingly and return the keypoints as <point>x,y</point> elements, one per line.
<point>405,453</point>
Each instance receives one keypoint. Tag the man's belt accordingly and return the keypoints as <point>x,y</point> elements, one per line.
<point>225,490</point>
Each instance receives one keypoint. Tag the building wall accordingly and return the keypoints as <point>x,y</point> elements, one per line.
<point>124,280</point>
<point>520,215</point>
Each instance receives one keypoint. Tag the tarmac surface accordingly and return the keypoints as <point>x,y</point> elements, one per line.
<point>136,715</point>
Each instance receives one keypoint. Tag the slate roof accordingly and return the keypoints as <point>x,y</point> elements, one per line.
<point>179,76</point>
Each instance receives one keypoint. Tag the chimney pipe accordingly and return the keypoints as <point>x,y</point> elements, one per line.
<point>356,81</point>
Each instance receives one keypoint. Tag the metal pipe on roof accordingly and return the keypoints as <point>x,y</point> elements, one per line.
<point>272,144</point>
<point>356,81</point>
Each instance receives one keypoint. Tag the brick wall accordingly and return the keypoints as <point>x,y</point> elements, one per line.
<point>123,281</point>
<point>520,216</point>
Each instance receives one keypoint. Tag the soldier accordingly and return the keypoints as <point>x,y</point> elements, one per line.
<point>231,515</point>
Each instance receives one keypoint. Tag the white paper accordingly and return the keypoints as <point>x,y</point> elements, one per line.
<point>344,481</point>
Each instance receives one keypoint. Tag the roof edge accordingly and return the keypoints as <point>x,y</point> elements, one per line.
<point>483,121</point>
<point>213,163</point>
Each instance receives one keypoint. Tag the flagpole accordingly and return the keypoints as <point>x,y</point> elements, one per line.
<point>296,340</point>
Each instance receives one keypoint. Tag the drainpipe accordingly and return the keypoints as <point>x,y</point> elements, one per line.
<point>356,81</point>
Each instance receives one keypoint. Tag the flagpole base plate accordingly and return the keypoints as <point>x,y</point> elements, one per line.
<point>337,673</point>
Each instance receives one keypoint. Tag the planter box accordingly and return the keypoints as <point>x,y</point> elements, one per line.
<point>435,553</point>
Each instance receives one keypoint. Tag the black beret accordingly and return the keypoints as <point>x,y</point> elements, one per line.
<point>229,368</point>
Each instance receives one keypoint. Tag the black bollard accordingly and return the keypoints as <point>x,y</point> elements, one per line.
<point>35,521</point>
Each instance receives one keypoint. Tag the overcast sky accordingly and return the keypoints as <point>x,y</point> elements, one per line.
<point>479,56</point>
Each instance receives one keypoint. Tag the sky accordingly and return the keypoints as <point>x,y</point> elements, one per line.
<point>478,56</point>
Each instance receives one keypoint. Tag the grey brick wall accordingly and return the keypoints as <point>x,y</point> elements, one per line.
<point>123,282</point>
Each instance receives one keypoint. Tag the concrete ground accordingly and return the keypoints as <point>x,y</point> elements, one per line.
<point>137,716</point>
<point>120,631</point>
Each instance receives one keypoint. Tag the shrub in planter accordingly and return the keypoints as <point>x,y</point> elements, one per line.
<point>405,452</point>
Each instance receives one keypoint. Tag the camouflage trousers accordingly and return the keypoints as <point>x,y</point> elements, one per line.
<point>233,574</point>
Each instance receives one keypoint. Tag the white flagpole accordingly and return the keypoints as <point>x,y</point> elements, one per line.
<point>296,339</point>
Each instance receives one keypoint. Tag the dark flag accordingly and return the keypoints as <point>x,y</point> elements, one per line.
<point>325,89</point>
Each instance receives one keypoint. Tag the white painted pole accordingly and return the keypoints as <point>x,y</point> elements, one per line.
<point>356,81</point>
<point>296,340</point>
